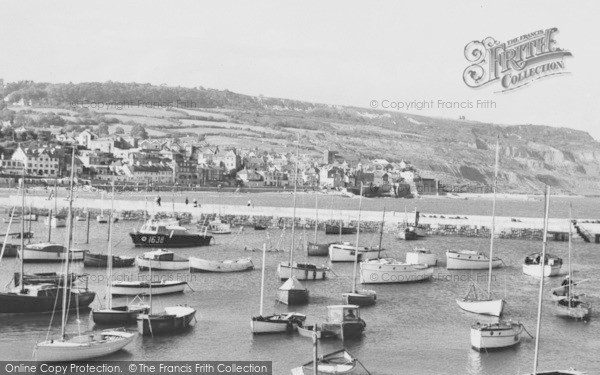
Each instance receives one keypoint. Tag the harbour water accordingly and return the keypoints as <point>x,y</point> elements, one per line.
<point>414,328</point>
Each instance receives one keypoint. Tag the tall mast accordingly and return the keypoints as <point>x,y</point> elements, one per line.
<point>109,267</point>
<point>316,214</point>
<point>570,284</point>
<point>68,254</point>
<point>55,196</point>
<point>541,293</point>
<point>489,288</point>
<point>262,279</point>
<point>381,233</point>
<point>357,237</point>
<point>294,213</point>
<point>22,231</point>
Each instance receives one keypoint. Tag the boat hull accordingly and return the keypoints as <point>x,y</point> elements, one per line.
<point>163,265</point>
<point>301,272</point>
<point>492,307</point>
<point>204,265</point>
<point>535,270</point>
<point>149,325</point>
<point>40,256</point>
<point>101,261</point>
<point>118,316</point>
<point>12,303</point>
<point>78,350</point>
<point>164,240</point>
<point>360,298</point>
<point>344,253</point>
<point>318,250</point>
<point>415,257</point>
<point>142,288</point>
<point>458,261</point>
<point>393,273</point>
<point>346,330</point>
<point>494,339</point>
<point>578,310</point>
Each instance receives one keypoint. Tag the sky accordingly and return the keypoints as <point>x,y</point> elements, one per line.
<point>334,52</point>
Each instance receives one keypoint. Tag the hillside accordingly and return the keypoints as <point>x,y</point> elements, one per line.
<point>451,150</point>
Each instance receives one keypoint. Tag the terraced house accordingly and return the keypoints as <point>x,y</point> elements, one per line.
<point>37,162</point>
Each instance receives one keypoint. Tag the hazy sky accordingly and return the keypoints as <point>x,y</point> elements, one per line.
<point>335,52</point>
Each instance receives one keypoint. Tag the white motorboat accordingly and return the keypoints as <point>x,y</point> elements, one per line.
<point>392,271</point>
<point>344,252</point>
<point>421,256</point>
<point>532,266</point>
<point>162,260</point>
<point>219,227</point>
<point>50,253</point>
<point>484,306</point>
<point>205,265</point>
<point>494,336</point>
<point>469,260</point>
<point>56,221</point>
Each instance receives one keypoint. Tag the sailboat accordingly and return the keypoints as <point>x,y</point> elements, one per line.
<point>172,320</point>
<point>84,346</point>
<point>314,248</point>
<point>116,315</point>
<point>292,292</point>
<point>27,297</point>
<point>473,302</point>
<point>359,297</point>
<point>539,313</point>
<point>56,220</point>
<point>275,323</point>
<point>570,306</point>
<point>101,219</point>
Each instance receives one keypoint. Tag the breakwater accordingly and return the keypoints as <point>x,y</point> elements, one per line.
<point>249,215</point>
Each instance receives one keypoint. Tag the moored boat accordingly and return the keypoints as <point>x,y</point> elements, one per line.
<point>134,288</point>
<point>101,260</point>
<point>317,249</point>
<point>406,234</point>
<point>162,260</point>
<point>360,297</point>
<point>301,271</point>
<point>344,321</point>
<point>421,256</point>
<point>44,278</point>
<point>119,315</point>
<point>532,267</point>
<point>495,336</point>
<point>41,298</point>
<point>80,348</point>
<point>260,227</point>
<point>173,319</point>
<point>56,221</point>
<point>344,252</point>
<point>167,234</point>
<point>10,250</point>
<point>218,226</point>
<point>310,330</point>
<point>277,323</point>
<point>489,306</point>
<point>205,265</point>
<point>338,362</point>
<point>469,260</point>
<point>573,308</point>
<point>392,271</point>
<point>50,253</point>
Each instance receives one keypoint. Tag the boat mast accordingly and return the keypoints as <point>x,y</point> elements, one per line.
<point>22,231</point>
<point>381,233</point>
<point>109,267</point>
<point>294,212</point>
<point>55,196</point>
<point>357,237</point>
<point>68,253</point>
<point>489,287</point>
<point>316,214</point>
<point>540,296</point>
<point>570,284</point>
<point>262,279</point>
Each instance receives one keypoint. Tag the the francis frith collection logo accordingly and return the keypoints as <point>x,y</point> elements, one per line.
<point>515,63</point>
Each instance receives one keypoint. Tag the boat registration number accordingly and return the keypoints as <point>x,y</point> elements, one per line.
<point>156,239</point>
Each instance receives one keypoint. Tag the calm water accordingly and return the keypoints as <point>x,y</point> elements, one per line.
<point>414,328</point>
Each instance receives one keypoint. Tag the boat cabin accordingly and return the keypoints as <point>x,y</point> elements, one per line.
<point>549,260</point>
<point>38,290</point>
<point>162,255</point>
<point>342,313</point>
<point>162,228</point>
